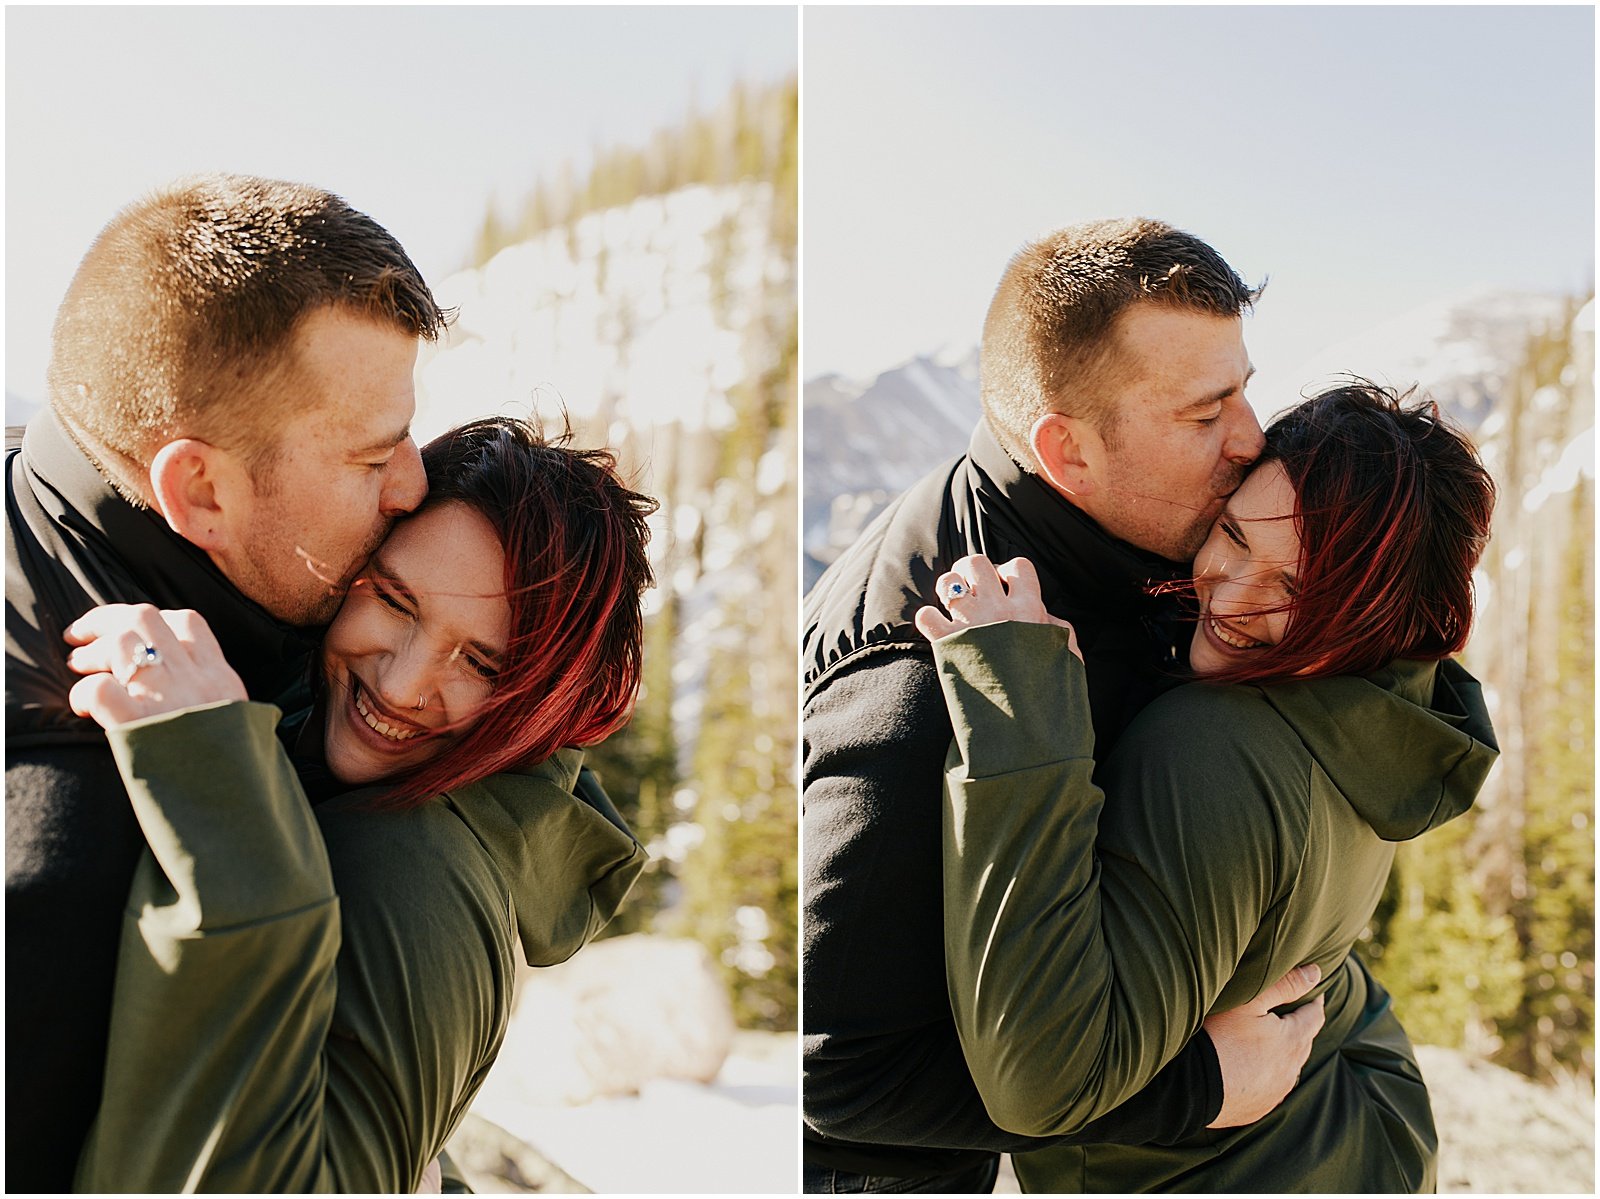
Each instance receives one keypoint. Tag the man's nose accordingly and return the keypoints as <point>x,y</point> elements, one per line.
<point>405,483</point>
<point>1245,439</point>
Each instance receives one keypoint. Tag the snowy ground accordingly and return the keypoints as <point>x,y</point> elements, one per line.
<point>740,1134</point>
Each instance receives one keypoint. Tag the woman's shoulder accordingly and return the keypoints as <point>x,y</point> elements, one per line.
<point>1216,752</point>
<point>1207,716</point>
<point>544,838</point>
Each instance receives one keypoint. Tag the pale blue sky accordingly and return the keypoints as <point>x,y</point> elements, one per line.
<point>416,115</point>
<point>1368,159</point>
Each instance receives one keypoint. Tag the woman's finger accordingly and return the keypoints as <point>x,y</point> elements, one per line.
<point>123,639</point>
<point>980,573</point>
<point>126,653</point>
<point>954,588</point>
<point>103,700</point>
<point>934,624</point>
<point>1021,580</point>
<point>189,627</point>
<point>110,618</point>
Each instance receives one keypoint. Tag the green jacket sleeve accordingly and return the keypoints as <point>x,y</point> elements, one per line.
<point>1074,976</point>
<point>229,942</point>
<point>254,1049</point>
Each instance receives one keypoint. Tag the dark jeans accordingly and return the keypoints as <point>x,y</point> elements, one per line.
<point>970,1180</point>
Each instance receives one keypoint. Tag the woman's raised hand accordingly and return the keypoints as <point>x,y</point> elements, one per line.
<point>139,660</point>
<point>977,592</point>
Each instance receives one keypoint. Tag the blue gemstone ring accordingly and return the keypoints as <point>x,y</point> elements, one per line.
<point>956,591</point>
<point>144,655</point>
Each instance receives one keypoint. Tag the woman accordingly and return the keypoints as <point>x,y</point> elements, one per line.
<point>1248,825</point>
<point>253,1050</point>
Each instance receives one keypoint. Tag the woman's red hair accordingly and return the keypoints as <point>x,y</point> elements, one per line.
<point>1392,507</point>
<point>574,537</point>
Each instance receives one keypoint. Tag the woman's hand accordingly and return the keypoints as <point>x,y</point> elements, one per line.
<point>139,660</point>
<point>975,592</point>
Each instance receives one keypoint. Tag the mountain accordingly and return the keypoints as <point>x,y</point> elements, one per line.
<point>867,442</point>
<point>18,410</point>
<point>638,314</point>
<point>1462,350</point>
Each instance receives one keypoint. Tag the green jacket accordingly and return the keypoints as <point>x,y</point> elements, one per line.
<point>1244,831</point>
<point>307,1001</point>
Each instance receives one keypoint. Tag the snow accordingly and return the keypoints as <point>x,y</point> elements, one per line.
<point>1575,462</point>
<point>737,1135</point>
<point>631,322</point>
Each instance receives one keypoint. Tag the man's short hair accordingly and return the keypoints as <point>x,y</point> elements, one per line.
<point>1047,341</point>
<point>176,322</point>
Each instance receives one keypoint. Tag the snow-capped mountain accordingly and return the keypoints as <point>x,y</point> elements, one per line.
<point>867,442</point>
<point>637,314</point>
<point>1461,350</point>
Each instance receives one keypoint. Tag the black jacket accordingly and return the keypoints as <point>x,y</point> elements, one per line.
<point>887,1090</point>
<point>71,840</point>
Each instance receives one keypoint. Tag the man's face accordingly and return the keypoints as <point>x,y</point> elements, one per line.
<point>1184,433</point>
<point>346,468</point>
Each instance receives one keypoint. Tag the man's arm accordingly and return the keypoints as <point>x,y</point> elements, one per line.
<point>71,847</point>
<point>883,1062</point>
<point>1074,977</point>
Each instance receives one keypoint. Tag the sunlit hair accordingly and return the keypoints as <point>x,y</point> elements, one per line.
<point>575,566</point>
<point>1049,337</point>
<point>1392,506</point>
<point>176,321</point>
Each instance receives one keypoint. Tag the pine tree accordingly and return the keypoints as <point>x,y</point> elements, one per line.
<point>1485,937</point>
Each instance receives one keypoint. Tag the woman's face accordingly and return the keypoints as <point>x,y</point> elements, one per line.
<point>412,655</point>
<point>1249,563</point>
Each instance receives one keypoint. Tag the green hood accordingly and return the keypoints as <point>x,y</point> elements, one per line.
<point>567,857</point>
<point>1408,760</point>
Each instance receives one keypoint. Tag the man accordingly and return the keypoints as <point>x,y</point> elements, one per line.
<point>228,431</point>
<point>1115,427</point>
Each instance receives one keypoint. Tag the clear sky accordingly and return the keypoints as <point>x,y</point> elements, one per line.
<point>1367,159</point>
<point>416,115</point>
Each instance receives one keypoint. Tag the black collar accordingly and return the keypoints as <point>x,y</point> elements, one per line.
<point>129,554</point>
<point>1083,570</point>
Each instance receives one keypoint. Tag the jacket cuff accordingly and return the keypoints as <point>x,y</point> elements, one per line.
<point>1018,697</point>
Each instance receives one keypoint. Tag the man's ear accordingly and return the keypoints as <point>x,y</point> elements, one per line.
<point>196,488</point>
<point>1068,450</point>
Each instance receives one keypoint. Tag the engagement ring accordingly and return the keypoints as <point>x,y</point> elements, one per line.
<point>144,655</point>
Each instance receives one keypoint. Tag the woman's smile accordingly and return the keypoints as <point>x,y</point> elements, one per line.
<point>388,726</point>
<point>412,653</point>
<point>1229,637</point>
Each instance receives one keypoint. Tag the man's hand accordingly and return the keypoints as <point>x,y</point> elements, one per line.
<point>1261,1054</point>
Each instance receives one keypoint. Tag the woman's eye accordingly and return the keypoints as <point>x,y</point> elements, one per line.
<point>391,602</point>
<point>483,668</point>
<point>1231,531</point>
